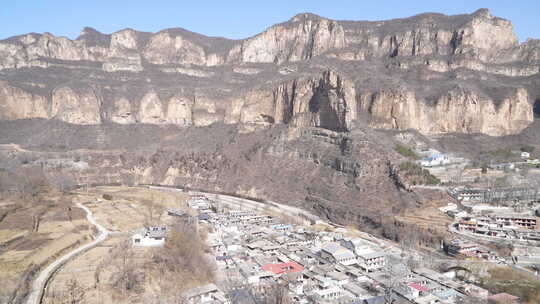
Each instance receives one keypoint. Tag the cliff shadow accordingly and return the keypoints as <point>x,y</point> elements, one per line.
<point>325,103</point>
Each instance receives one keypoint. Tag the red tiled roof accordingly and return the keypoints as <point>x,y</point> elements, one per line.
<point>418,287</point>
<point>281,268</point>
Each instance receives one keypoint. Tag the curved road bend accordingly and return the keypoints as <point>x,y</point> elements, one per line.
<point>39,284</point>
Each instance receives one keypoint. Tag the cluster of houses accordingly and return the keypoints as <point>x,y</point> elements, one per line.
<point>510,226</point>
<point>467,249</point>
<point>493,220</point>
<point>495,195</point>
<point>155,235</point>
<point>254,252</point>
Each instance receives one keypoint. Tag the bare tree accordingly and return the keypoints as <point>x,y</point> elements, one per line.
<point>31,182</point>
<point>64,183</point>
<point>184,252</point>
<point>97,274</point>
<point>75,293</point>
<point>153,212</point>
<point>277,294</point>
<point>395,270</point>
<point>126,276</point>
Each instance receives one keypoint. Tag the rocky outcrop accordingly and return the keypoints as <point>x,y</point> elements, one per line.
<point>304,37</point>
<point>180,111</point>
<point>165,48</point>
<point>122,112</point>
<point>151,110</point>
<point>16,103</point>
<point>81,107</point>
<point>459,110</point>
<point>484,35</point>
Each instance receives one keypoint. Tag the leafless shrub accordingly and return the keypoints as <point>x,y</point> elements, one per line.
<point>127,276</point>
<point>61,182</point>
<point>26,182</point>
<point>276,294</point>
<point>182,260</point>
<point>75,293</point>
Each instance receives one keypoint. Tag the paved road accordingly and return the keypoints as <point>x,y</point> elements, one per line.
<point>38,287</point>
<point>441,188</point>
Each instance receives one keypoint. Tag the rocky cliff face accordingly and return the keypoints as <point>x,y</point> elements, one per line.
<point>430,72</point>
<point>458,111</point>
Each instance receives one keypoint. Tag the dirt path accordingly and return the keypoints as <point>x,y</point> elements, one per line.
<point>40,283</point>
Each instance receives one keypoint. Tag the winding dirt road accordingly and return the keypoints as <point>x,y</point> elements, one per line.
<point>40,283</point>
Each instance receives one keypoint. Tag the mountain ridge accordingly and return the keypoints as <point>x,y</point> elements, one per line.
<point>485,80</point>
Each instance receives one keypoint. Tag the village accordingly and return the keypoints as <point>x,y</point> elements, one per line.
<point>260,250</point>
<point>311,261</point>
<point>318,262</point>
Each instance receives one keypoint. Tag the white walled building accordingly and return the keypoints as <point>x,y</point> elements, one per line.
<point>150,236</point>
<point>208,293</point>
<point>335,252</point>
<point>371,260</point>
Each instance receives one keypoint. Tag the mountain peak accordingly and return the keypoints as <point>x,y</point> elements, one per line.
<point>483,12</point>
<point>305,16</point>
<point>94,38</point>
<point>89,31</point>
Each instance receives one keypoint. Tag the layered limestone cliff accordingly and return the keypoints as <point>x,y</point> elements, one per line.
<point>16,103</point>
<point>82,107</point>
<point>325,101</point>
<point>459,110</point>
<point>307,72</point>
<point>304,37</point>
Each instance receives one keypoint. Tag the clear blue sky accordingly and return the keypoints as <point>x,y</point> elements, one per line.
<point>233,19</point>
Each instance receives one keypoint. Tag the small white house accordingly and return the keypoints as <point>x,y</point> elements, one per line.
<point>328,294</point>
<point>371,260</point>
<point>150,236</point>
<point>335,252</point>
<point>533,161</point>
<point>199,202</point>
<point>208,293</point>
<point>525,155</point>
<point>435,160</point>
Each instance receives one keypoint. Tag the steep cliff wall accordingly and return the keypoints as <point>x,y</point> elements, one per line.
<point>459,110</point>
<point>327,100</point>
<point>324,101</point>
<point>303,37</point>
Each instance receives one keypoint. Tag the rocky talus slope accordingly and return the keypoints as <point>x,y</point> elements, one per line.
<point>431,72</point>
